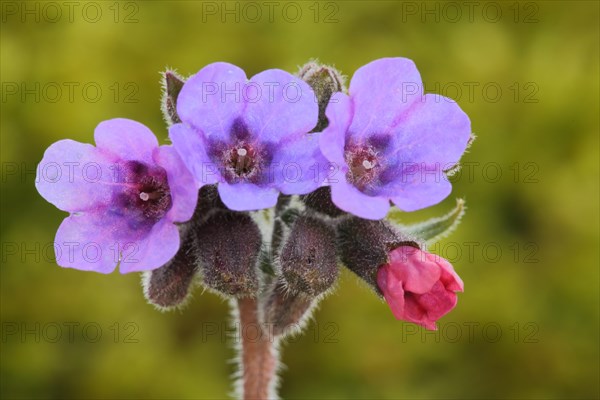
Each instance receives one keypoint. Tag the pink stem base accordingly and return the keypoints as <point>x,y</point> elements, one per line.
<point>259,358</point>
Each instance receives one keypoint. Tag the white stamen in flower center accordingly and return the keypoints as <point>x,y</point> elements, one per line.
<point>144,196</point>
<point>368,164</point>
<point>242,152</point>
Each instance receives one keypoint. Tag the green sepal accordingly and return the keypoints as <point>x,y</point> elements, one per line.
<point>434,229</point>
<point>172,83</point>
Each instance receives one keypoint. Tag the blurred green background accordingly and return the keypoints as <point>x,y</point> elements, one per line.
<point>527,325</point>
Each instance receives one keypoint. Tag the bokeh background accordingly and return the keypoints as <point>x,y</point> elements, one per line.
<point>527,325</point>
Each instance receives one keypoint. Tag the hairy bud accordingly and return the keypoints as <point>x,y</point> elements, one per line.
<point>320,201</point>
<point>208,201</point>
<point>169,286</point>
<point>172,83</point>
<point>284,311</point>
<point>364,246</point>
<point>308,259</point>
<point>308,270</point>
<point>229,244</point>
<point>325,81</point>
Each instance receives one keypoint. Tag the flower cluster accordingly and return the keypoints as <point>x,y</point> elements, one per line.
<point>268,182</point>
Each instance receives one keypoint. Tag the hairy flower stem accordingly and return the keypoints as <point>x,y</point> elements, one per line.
<point>259,358</point>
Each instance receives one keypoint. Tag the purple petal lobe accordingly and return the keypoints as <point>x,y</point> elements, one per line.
<point>212,99</point>
<point>422,193</point>
<point>152,250</point>
<point>279,105</point>
<point>192,148</point>
<point>381,92</point>
<point>75,176</point>
<point>89,242</point>
<point>247,196</point>
<point>352,200</point>
<point>298,166</point>
<point>125,138</point>
<point>436,132</point>
<point>333,138</point>
<point>183,188</point>
<point>99,241</point>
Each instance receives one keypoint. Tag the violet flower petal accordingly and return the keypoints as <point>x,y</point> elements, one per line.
<point>381,92</point>
<point>422,193</point>
<point>247,196</point>
<point>153,250</point>
<point>183,188</point>
<point>75,176</point>
<point>436,131</point>
<point>279,105</point>
<point>298,167</point>
<point>91,242</point>
<point>350,199</point>
<point>126,139</point>
<point>212,99</point>
<point>333,138</point>
<point>192,147</point>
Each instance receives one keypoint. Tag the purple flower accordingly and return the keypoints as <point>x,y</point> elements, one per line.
<point>391,142</point>
<point>124,196</point>
<point>249,136</point>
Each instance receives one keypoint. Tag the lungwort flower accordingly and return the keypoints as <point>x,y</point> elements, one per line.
<point>418,286</point>
<point>249,136</point>
<point>391,141</point>
<point>124,196</point>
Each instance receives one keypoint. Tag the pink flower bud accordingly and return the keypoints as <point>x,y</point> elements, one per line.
<point>418,286</point>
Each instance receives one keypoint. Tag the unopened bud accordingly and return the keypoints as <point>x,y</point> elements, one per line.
<point>229,244</point>
<point>308,258</point>
<point>172,84</point>
<point>209,200</point>
<point>284,311</point>
<point>320,200</point>
<point>325,81</point>
<point>364,246</point>
<point>308,268</point>
<point>169,286</point>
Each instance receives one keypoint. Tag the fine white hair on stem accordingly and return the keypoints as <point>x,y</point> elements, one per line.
<point>257,359</point>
